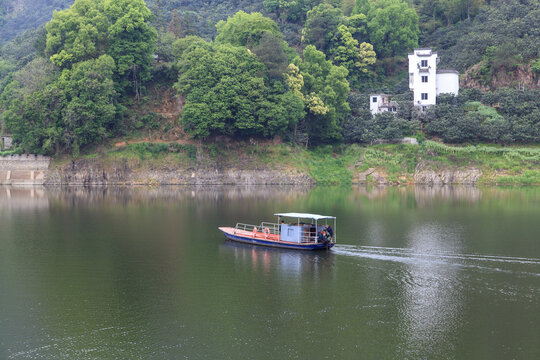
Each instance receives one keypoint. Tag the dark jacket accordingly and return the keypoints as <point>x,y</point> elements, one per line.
<point>330,231</point>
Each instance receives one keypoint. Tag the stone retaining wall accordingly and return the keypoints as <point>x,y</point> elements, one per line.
<point>24,162</point>
<point>23,169</point>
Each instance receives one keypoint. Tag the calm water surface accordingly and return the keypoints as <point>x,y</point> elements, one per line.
<point>419,273</point>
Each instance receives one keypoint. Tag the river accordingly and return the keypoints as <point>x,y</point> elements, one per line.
<point>143,273</point>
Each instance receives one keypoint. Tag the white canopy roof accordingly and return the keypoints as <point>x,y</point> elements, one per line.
<point>305,216</point>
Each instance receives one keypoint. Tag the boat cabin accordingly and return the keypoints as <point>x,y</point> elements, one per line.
<point>302,227</point>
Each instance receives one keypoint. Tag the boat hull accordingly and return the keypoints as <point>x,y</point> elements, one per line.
<point>250,239</point>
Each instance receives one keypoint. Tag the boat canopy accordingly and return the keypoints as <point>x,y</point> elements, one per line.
<point>305,216</point>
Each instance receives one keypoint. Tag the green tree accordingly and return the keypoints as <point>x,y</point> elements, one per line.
<point>35,120</point>
<point>324,89</point>
<point>321,24</point>
<point>91,28</point>
<point>74,110</point>
<point>290,10</point>
<point>270,53</point>
<point>362,7</point>
<point>244,29</point>
<point>78,33</point>
<point>358,27</point>
<point>89,113</point>
<point>226,94</point>
<point>132,41</point>
<point>393,27</point>
<point>346,51</point>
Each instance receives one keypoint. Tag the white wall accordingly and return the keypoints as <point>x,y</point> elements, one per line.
<point>448,83</point>
<point>374,106</point>
<point>416,72</point>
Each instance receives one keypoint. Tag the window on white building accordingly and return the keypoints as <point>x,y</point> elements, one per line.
<point>374,99</point>
<point>424,79</point>
<point>424,96</point>
<point>423,63</point>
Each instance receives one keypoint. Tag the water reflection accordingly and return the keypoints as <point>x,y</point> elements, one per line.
<point>13,198</point>
<point>288,263</point>
<point>147,194</point>
<point>434,299</point>
<point>422,194</point>
<point>37,196</point>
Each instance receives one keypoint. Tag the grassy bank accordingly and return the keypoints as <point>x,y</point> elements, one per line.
<point>336,164</point>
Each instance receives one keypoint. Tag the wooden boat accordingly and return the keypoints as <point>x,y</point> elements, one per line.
<point>302,234</point>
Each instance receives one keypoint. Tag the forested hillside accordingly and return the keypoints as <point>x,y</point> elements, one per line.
<point>299,70</point>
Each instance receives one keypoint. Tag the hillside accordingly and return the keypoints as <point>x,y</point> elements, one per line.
<point>301,71</point>
<point>18,16</point>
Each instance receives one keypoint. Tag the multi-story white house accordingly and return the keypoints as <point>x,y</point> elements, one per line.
<point>426,81</point>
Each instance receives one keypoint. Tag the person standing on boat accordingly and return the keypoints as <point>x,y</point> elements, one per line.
<point>330,231</point>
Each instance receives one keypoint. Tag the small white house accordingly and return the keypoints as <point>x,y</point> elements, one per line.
<point>426,81</point>
<point>379,103</point>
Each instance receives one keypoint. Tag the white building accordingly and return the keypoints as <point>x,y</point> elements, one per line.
<point>426,81</point>
<point>379,103</point>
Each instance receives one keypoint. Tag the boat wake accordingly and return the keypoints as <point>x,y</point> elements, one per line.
<point>528,266</point>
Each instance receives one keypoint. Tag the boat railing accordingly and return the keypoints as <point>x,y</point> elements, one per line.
<point>275,229</point>
<point>245,227</point>
<point>272,227</point>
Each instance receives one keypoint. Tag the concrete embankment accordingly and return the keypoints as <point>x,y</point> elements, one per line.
<point>23,169</point>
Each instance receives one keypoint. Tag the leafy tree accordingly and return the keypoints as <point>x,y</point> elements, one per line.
<point>503,116</point>
<point>131,41</point>
<point>187,44</point>
<point>290,10</point>
<point>362,7</point>
<point>175,25</point>
<point>365,128</point>
<point>324,89</point>
<point>74,110</point>
<point>91,28</point>
<point>321,24</point>
<point>245,29</point>
<point>5,68</point>
<point>78,33</point>
<point>357,59</point>
<point>535,66</point>
<point>225,93</point>
<point>393,27</point>
<point>358,27</point>
<point>89,114</point>
<point>164,46</point>
<point>270,53</point>
<point>34,121</point>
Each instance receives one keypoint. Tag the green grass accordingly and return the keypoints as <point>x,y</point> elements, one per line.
<point>9,152</point>
<point>327,165</point>
<point>500,165</point>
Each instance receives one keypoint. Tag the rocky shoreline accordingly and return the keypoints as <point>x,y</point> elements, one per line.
<point>91,172</point>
